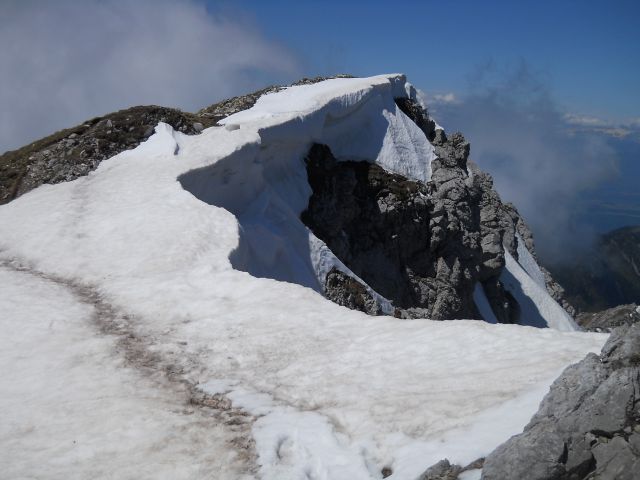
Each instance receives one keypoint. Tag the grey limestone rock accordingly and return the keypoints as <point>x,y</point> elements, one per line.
<point>587,427</point>
<point>386,229</point>
<point>349,292</point>
<point>443,470</point>
<point>609,319</point>
<point>423,246</point>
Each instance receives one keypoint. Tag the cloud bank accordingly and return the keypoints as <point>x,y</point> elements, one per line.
<point>538,160</point>
<point>66,61</point>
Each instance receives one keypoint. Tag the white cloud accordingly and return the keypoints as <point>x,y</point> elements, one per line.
<point>519,135</point>
<point>585,120</point>
<point>444,98</point>
<point>590,124</point>
<point>634,122</point>
<point>65,61</point>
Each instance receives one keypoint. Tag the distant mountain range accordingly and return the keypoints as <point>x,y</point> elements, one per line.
<point>605,276</point>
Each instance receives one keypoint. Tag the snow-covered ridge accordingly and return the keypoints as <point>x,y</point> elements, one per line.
<point>266,188</point>
<point>356,116</point>
<point>264,184</point>
<point>373,391</point>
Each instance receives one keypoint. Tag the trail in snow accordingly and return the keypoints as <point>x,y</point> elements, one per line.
<point>85,397</point>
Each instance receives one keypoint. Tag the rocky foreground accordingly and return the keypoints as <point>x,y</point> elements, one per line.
<point>587,426</point>
<point>608,320</point>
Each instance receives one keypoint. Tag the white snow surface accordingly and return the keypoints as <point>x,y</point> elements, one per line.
<point>71,408</point>
<point>357,117</point>
<point>529,264</point>
<point>157,231</point>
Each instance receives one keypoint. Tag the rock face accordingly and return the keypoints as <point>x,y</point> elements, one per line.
<point>348,292</point>
<point>588,425</point>
<point>423,246</point>
<point>607,320</point>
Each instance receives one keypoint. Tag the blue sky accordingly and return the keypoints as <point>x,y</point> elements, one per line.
<point>586,52</point>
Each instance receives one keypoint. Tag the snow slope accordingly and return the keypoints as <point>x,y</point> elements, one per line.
<point>332,393</point>
<point>537,308</point>
<point>528,263</point>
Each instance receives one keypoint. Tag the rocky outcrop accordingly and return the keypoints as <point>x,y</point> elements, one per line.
<point>393,234</point>
<point>348,292</point>
<point>607,320</point>
<point>423,246</point>
<point>74,152</point>
<point>588,425</point>
<point>499,221</point>
<point>445,470</point>
<point>374,221</point>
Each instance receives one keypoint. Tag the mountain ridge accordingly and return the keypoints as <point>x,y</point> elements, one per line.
<point>75,152</point>
<point>607,274</point>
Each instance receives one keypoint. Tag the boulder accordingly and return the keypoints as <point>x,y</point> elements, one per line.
<point>609,319</point>
<point>588,425</point>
